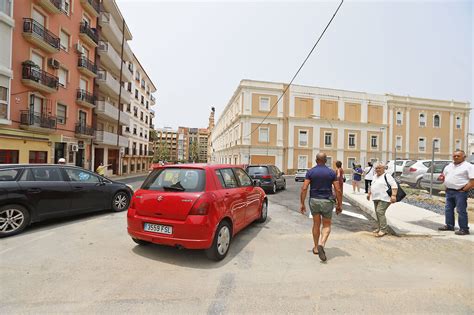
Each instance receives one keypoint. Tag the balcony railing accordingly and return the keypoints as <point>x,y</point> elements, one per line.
<point>82,95</point>
<point>33,27</point>
<point>86,63</point>
<point>31,118</point>
<point>34,73</point>
<point>83,129</point>
<point>91,32</point>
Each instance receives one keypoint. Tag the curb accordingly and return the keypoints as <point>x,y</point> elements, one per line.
<point>119,178</point>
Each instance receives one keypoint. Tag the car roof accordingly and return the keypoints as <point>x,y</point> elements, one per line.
<point>8,166</point>
<point>199,166</point>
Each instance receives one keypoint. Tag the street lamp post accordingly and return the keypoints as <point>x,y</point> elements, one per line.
<point>432,166</point>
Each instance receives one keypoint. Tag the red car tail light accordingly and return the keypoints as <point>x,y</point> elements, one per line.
<point>267,176</point>
<point>412,169</point>
<point>202,205</point>
<point>441,178</point>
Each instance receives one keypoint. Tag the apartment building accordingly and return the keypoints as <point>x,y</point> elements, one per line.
<point>138,154</point>
<point>346,125</point>
<point>166,145</point>
<point>51,91</point>
<point>6,28</point>
<point>193,144</point>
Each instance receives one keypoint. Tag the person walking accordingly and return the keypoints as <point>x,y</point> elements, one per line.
<point>356,178</point>
<point>458,179</point>
<point>368,176</point>
<point>380,197</point>
<point>321,179</point>
<point>101,169</point>
<point>340,175</point>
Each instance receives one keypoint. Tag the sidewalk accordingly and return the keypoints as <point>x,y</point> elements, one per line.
<point>119,178</point>
<point>405,219</point>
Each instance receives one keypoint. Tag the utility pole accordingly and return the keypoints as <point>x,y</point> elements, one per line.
<point>432,166</point>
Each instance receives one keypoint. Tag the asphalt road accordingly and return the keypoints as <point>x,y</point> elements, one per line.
<point>89,264</point>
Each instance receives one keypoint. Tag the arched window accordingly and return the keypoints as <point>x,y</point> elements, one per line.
<point>422,120</point>
<point>436,121</point>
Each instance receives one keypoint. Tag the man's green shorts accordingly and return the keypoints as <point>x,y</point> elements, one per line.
<point>323,207</point>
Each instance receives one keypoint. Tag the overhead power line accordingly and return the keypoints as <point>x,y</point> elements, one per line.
<point>299,69</point>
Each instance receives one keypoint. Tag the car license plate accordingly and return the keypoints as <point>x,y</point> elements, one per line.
<point>158,228</point>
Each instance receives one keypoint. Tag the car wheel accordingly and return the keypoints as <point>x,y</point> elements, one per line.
<point>13,220</point>
<point>263,212</point>
<point>418,184</point>
<point>120,201</point>
<point>140,242</point>
<point>221,243</point>
<point>284,185</point>
<point>274,188</point>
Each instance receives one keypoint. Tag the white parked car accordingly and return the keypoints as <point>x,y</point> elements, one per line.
<point>300,175</point>
<point>396,169</point>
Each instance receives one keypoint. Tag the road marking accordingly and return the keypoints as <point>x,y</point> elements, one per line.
<point>355,215</point>
<point>27,242</point>
<point>346,203</point>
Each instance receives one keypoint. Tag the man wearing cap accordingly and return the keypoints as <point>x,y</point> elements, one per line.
<point>62,161</point>
<point>458,179</point>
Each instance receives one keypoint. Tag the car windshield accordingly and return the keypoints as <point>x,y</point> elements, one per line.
<point>257,170</point>
<point>176,179</point>
<point>410,163</point>
<point>302,171</point>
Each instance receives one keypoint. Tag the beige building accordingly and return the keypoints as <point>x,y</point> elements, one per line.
<point>165,147</point>
<point>348,126</point>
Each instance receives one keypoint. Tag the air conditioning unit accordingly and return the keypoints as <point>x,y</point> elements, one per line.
<point>53,63</point>
<point>80,49</point>
<point>74,147</point>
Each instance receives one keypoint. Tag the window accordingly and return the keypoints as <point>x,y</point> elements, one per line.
<point>329,162</point>
<point>436,121</point>
<point>243,178</point>
<point>228,177</point>
<point>421,144</point>
<point>351,162</point>
<point>81,176</point>
<point>457,145</point>
<point>399,118</point>
<point>398,142</point>
<point>328,139</point>
<point>136,94</point>
<point>352,140</point>
<point>264,105</point>
<point>62,75</point>
<point>38,157</point>
<point>437,145</point>
<point>129,87</point>
<point>303,138</point>
<point>302,161</point>
<point>66,6</point>
<point>61,114</point>
<point>9,156</point>
<point>45,174</point>
<point>373,141</point>
<point>175,179</point>
<point>137,76</point>
<point>142,83</point>
<point>141,116</point>
<point>6,7</point>
<point>147,104</point>
<point>64,40</point>
<point>3,102</point>
<point>422,120</point>
<point>8,175</point>
<point>458,122</point>
<point>142,100</point>
<point>263,135</point>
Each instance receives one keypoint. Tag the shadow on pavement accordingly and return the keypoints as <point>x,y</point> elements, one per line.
<point>197,259</point>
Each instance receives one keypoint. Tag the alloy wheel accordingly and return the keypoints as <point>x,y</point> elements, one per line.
<point>120,201</point>
<point>11,220</point>
<point>223,240</point>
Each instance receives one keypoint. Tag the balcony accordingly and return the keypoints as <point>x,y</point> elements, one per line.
<point>33,77</point>
<point>84,131</point>
<point>113,33</point>
<point>38,35</point>
<point>152,113</point>
<point>52,6</point>
<point>85,98</point>
<point>87,67</point>
<point>109,138</point>
<point>30,120</point>
<point>92,7</point>
<point>152,100</point>
<point>109,112</point>
<point>109,85</point>
<point>88,35</point>
<point>110,58</point>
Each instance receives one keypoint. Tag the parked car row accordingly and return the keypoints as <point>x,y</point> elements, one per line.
<point>268,176</point>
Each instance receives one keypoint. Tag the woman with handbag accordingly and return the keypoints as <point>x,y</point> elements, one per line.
<point>382,184</point>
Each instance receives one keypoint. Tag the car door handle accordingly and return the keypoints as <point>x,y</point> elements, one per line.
<point>78,188</point>
<point>34,190</point>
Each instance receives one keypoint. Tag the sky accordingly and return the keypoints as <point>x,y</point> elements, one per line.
<point>196,53</point>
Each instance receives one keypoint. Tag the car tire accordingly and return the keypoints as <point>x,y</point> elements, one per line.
<point>263,212</point>
<point>120,201</point>
<point>140,242</point>
<point>13,220</point>
<point>284,185</point>
<point>418,184</point>
<point>221,243</point>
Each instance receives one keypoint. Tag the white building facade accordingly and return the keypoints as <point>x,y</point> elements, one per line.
<point>6,28</point>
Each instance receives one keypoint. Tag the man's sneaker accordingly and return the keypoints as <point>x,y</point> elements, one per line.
<point>446,228</point>
<point>462,232</point>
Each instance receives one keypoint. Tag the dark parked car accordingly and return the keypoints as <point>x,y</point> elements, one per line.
<point>270,177</point>
<point>37,192</point>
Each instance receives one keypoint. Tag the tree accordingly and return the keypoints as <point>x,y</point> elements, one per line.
<point>162,153</point>
<point>194,152</point>
<point>153,135</point>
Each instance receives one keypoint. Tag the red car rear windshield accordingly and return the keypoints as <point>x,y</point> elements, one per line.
<point>176,179</point>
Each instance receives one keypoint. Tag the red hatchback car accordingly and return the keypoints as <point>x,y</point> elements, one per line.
<point>195,206</point>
